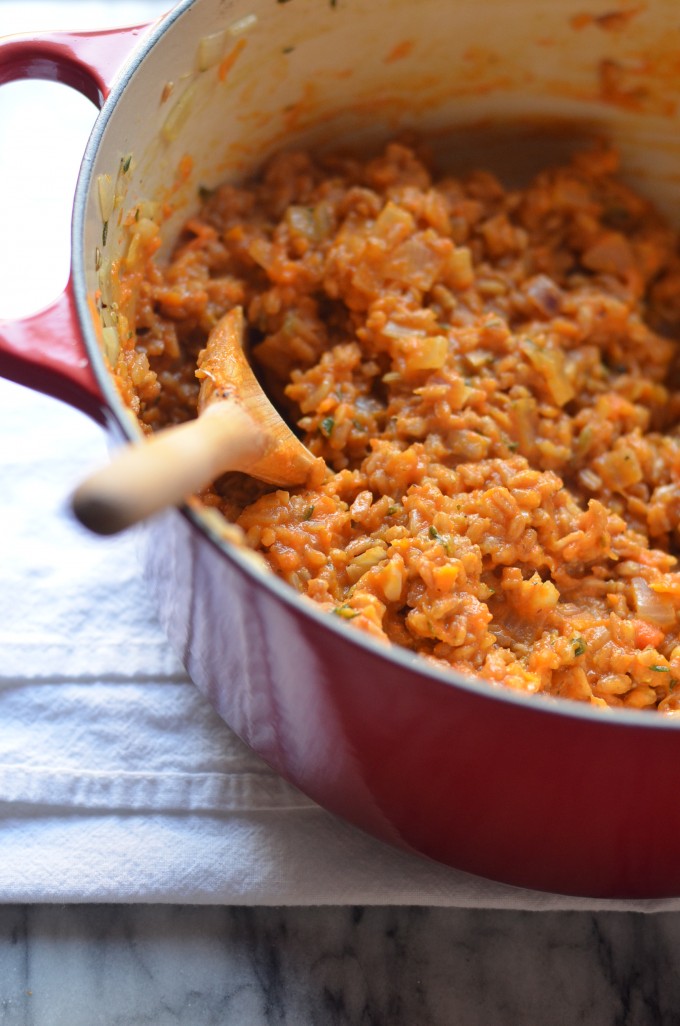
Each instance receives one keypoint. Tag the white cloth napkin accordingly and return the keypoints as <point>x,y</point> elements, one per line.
<point>117,780</point>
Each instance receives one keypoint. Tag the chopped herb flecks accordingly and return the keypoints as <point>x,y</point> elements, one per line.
<point>436,536</point>
<point>346,612</point>
<point>326,426</point>
<point>579,646</point>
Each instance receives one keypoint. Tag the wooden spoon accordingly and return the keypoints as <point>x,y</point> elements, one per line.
<point>237,429</point>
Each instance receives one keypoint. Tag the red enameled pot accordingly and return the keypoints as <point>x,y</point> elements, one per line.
<point>533,792</point>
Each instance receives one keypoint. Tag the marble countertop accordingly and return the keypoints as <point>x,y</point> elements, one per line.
<point>84,965</point>
<point>198,966</point>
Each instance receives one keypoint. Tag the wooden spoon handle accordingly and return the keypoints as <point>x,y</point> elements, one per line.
<point>164,469</point>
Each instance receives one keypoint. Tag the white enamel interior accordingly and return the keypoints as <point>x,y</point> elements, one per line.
<point>325,72</point>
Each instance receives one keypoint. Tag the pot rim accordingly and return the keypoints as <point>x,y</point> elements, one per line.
<point>417,666</point>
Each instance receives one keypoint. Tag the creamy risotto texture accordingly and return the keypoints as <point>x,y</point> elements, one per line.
<point>490,375</point>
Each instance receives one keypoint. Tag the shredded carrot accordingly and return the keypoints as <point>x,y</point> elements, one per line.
<point>229,61</point>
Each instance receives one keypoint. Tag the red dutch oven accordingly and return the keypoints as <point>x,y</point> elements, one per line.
<point>529,791</point>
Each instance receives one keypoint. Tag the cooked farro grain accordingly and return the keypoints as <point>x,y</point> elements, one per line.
<point>490,375</point>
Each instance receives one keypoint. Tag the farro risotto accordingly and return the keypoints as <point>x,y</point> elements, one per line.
<point>490,377</point>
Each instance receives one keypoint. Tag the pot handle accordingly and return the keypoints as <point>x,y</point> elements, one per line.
<point>45,351</point>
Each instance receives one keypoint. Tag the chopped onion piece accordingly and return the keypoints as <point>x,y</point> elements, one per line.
<point>242,24</point>
<point>550,365</point>
<point>301,221</point>
<point>651,606</point>
<point>545,295</point>
<point>145,230</point>
<point>394,330</point>
<point>105,189</point>
<point>179,113</point>
<point>460,270</point>
<point>104,281</point>
<point>394,224</point>
<point>149,209</point>
<point>111,344</point>
<point>210,50</point>
<point>428,354</point>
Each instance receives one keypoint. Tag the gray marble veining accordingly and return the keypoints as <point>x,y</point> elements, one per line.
<point>198,966</point>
